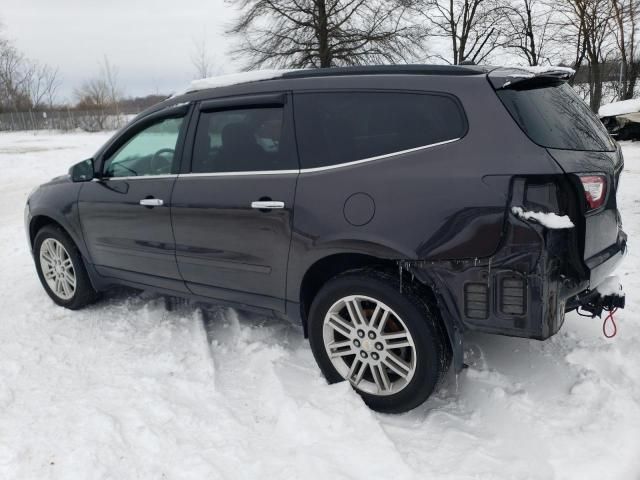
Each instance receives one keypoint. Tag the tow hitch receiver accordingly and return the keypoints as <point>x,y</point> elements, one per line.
<point>594,303</point>
<point>608,297</point>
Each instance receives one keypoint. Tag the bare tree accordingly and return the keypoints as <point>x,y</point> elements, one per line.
<point>201,60</point>
<point>529,30</point>
<point>110,74</point>
<point>14,78</point>
<point>42,85</point>
<point>323,33</point>
<point>93,94</point>
<point>625,18</point>
<point>24,84</point>
<point>590,24</point>
<point>474,27</point>
<point>101,94</point>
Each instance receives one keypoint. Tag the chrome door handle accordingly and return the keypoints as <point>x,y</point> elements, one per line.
<point>267,204</point>
<point>151,202</point>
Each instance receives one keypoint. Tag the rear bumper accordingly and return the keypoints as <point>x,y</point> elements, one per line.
<point>604,263</point>
<point>524,290</point>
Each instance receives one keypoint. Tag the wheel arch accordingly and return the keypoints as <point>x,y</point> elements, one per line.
<point>36,224</point>
<point>327,267</point>
<point>40,220</point>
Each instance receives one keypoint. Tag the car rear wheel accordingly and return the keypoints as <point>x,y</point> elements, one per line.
<point>61,269</point>
<point>388,345</point>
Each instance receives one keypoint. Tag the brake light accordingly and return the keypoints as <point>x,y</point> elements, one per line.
<point>595,190</point>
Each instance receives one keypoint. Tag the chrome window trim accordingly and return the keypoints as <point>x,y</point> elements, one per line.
<point>379,157</point>
<point>316,169</point>
<point>232,174</point>
<point>136,177</point>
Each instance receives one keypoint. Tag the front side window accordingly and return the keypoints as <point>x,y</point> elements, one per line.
<point>151,151</point>
<point>242,140</point>
<point>334,128</point>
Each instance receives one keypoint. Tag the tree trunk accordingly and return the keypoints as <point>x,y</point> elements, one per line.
<point>595,90</point>
<point>453,30</point>
<point>323,35</point>
<point>632,77</point>
<point>533,61</point>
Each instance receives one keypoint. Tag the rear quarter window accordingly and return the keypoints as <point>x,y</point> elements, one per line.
<point>340,127</point>
<point>554,116</point>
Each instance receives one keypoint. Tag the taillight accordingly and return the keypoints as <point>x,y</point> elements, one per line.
<point>595,190</point>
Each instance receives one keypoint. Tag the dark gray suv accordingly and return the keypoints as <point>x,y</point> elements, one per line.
<point>388,210</point>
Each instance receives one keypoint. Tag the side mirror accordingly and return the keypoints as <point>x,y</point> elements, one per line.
<point>82,172</point>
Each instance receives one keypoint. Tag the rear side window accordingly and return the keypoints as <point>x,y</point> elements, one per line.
<point>334,128</point>
<point>555,116</point>
<point>242,140</point>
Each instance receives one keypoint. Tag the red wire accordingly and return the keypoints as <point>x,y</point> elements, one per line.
<point>613,322</point>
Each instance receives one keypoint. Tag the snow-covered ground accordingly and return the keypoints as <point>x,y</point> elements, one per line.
<point>126,389</point>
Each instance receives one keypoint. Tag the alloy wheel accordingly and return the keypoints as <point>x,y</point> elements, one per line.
<point>369,345</point>
<point>57,268</point>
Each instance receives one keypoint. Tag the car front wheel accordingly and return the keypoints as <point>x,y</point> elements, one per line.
<point>387,344</point>
<point>61,269</point>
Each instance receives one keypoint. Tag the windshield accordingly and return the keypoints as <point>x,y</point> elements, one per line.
<point>554,116</point>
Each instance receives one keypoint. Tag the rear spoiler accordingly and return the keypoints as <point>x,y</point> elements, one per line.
<point>528,77</point>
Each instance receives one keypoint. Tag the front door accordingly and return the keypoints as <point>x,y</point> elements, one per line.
<point>232,209</point>
<point>125,215</point>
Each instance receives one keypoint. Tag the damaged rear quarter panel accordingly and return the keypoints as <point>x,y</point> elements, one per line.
<point>437,204</point>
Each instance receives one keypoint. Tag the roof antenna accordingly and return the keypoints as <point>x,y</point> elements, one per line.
<point>467,62</point>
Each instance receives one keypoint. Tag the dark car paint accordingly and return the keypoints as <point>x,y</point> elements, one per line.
<point>121,234</point>
<point>442,213</point>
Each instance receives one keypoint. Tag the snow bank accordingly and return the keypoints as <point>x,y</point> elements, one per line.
<point>233,79</point>
<point>620,108</point>
<point>611,286</point>
<point>549,220</point>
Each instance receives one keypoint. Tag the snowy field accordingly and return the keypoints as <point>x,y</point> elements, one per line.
<point>125,389</point>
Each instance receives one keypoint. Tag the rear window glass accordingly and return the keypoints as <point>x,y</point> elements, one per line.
<point>334,128</point>
<point>556,117</point>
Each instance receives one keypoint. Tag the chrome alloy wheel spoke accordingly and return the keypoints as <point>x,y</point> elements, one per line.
<point>57,268</point>
<point>369,345</point>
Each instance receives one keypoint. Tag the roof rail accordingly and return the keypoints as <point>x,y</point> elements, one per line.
<point>412,69</point>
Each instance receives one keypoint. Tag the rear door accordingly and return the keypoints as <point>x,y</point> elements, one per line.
<point>232,208</point>
<point>125,214</point>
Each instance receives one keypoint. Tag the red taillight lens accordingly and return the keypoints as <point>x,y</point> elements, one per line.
<point>595,190</point>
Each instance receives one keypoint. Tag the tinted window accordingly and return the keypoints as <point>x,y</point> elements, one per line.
<point>242,140</point>
<point>556,117</point>
<point>335,128</point>
<point>149,152</point>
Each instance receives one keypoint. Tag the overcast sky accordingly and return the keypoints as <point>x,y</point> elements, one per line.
<point>151,42</point>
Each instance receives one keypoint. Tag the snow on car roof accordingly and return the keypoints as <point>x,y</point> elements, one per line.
<point>233,79</point>
<point>620,108</point>
<point>258,75</point>
<point>551,68</point>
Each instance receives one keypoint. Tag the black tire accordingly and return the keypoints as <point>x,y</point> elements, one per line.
<point>84,293</point>
<point>432,347</point>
